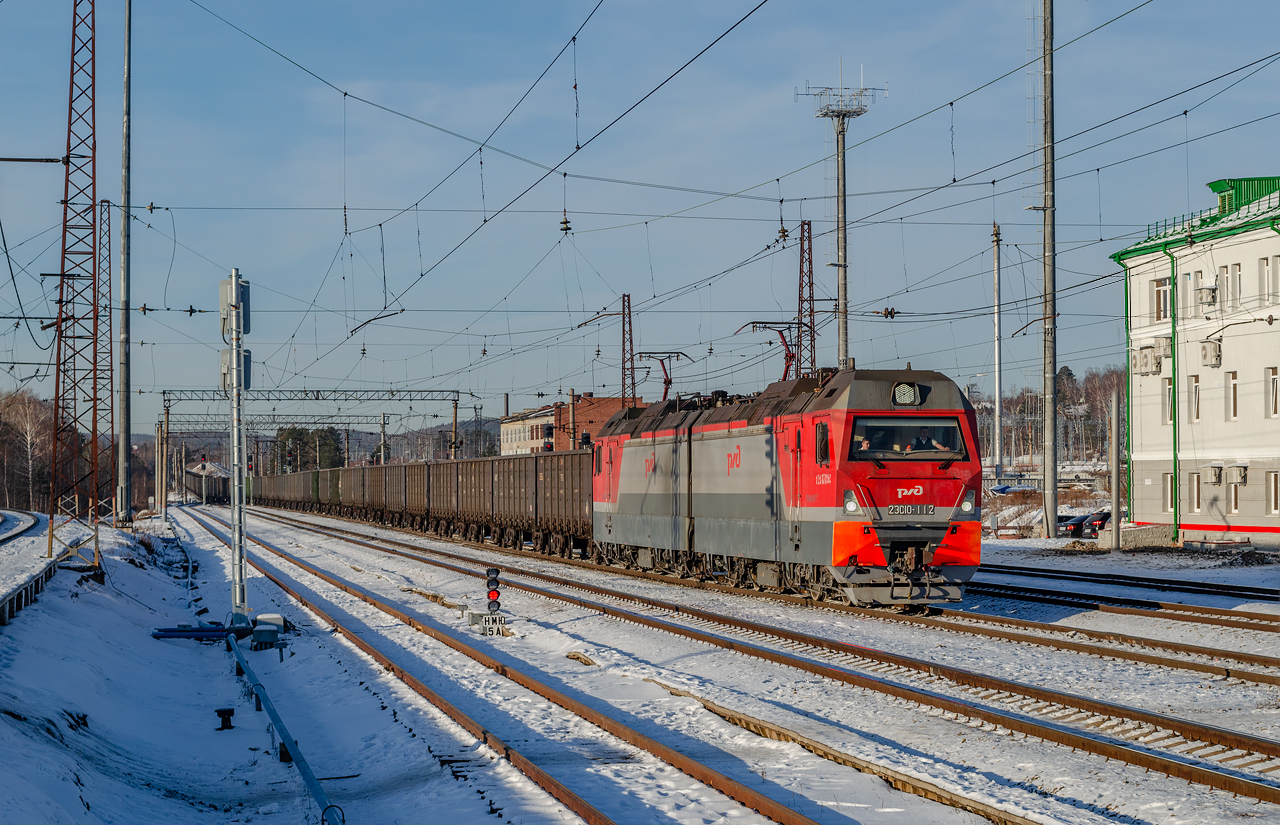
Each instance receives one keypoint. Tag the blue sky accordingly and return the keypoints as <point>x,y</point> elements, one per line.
<point>249,162</point>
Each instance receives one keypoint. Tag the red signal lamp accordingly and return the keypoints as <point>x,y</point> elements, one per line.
<point>494,586</point>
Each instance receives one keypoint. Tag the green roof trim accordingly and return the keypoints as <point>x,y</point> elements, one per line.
<point>1244,204</point>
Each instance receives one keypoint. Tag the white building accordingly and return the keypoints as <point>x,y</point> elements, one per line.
<point>526,432</point>
<point>1202,296</point>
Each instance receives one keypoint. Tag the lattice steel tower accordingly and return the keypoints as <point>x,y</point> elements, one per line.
<point>806,332</point>
<point>82,383</point>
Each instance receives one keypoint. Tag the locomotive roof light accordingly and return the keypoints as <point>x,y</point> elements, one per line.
<point>851,503</point>
<point>906,394</point>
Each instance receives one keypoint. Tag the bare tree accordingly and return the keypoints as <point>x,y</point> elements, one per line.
<point>32,422</point>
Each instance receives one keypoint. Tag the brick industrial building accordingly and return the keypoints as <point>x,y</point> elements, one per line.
<point>561,425</point>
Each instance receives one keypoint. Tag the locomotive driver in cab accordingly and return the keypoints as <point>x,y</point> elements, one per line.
<point>924,441</point>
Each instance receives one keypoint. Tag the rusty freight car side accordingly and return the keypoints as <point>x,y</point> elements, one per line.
<point>563,519</point>
<point>475,497</point>
<point>442,495</point>
<point>515,501</point>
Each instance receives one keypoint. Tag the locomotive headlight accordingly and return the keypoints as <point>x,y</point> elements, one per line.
<point>967,505</point>
<point>850,502</point>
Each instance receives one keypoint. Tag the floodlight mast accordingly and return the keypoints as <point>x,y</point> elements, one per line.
<point>841,104</point>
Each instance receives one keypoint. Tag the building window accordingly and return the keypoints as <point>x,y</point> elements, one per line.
<point>1161,299</point>
<point>1193,396</point>
<point>1272,390</point>
<point>1264,281</point>
<point>1273,281</point>
<point>1233,396</point>
<point>1233,498</point>
<point>1167,492</point>
<point>1167,401</point>
<point>1273,494</point>
<point>1193,491</point>
<point>1237,286</point>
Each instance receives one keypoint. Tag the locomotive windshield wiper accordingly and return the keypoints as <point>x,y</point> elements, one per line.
<point>957,455</point>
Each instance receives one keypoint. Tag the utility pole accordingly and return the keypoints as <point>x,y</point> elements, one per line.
<point>159,469</point>
<point>235,324</point>
<point>1115,470</point>
<point>998,462</point>
<point>453,442</point>
<point>1050,288</point>
<point>382,440</point>
<point>841,104</point>
<point>318,448</point>
<point>346,449</point>
<point>573,418</point>
<point>182,477</point>
<point>164,467</point>
<point>124,449</point>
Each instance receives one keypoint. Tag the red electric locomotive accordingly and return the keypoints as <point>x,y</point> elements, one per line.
<point>863,484</point>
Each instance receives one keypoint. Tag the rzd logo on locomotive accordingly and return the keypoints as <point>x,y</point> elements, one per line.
<point>650,465</point>
<point>917,490</point>
<point>735,459</point>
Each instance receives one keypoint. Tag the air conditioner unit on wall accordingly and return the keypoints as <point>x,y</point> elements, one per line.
<point>1164,346</point>
<point>1211,353</point>
<point>1148,361</point>
<point>1213,475</point>
<point>1238,474</point>
<point>1207,296</point>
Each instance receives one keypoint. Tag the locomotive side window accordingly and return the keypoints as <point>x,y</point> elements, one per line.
<point>907,438</point>
<point>596,469</point>
<point>822,443</point>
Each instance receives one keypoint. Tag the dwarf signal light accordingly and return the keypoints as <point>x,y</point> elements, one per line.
<point>494,589</point>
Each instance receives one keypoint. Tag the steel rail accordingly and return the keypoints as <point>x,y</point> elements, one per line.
<point>21,531</point>
<point>486,737</point>
<point>731,788</point>
<point>329,812</point>
<point>1173,585</point>
<point>1154,610</point>
<point>964,625</point>
<point>1042,730</point>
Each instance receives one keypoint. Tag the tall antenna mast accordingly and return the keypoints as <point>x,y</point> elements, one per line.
<point>841,104</point>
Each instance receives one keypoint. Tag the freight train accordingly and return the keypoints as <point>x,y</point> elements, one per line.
<point>860,486</point>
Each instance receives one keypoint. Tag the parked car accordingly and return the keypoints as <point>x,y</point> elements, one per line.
<point>1094,523</point>
<point>1071,527</point>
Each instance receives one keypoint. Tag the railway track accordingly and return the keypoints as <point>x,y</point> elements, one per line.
<point>1267,594</point>
<point>747,797</point>
<point>19,531</point>
<point>1197,658</point>
<point>1219,758</point>
<point>1244,620</point>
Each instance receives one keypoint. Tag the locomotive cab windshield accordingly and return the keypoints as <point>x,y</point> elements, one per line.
<point>907,438</point>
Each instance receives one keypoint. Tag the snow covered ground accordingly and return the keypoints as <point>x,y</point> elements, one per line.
<point>101,723</point>
<point>20,557</point>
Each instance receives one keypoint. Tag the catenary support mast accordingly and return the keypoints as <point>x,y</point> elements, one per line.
<point>1050,289</point>
<point>124,402</point>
